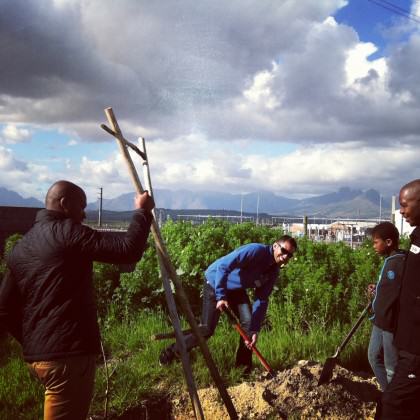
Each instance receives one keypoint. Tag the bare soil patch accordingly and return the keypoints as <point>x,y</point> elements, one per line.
<point>292,394</point>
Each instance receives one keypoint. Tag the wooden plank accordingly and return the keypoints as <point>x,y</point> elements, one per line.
<point>170,269</point>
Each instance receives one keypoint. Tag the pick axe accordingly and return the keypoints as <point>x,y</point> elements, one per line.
<point>236,323</point>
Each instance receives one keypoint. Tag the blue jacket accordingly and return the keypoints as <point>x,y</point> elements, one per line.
<point>250,266</point>
<point>384,304</point>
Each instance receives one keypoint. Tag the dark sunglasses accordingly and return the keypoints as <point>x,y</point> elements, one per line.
<point>284,251</point>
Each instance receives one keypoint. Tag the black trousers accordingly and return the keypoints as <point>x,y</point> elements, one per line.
<point>401,399</point>
<point>239,302</point>
<point>241,306</point>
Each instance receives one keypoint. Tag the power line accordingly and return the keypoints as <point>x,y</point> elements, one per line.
<point>396,9</point>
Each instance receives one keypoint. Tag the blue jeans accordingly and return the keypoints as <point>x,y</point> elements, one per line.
<point>382,355</point>
<point>239,302</point>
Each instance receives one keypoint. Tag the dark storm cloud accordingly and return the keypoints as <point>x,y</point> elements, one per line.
<point>404,69</point>
<point>40,48</point>
<point>179,69</point>
<point>65,61</point>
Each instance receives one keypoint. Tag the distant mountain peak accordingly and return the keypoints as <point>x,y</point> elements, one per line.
<point>12,198</point>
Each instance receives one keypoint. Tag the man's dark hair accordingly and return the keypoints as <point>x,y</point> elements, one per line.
<point>288,238</point>
<point>386,230</point>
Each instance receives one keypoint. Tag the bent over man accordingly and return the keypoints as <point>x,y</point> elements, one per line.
<point>50,278</point>
<point>252,266</point>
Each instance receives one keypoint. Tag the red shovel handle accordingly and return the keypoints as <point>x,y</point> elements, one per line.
<point>232,317</point>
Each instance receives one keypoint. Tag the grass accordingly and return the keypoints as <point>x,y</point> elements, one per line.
<point>21,397</point>
<point>135,375</point>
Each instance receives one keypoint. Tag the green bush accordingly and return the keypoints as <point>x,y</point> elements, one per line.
<point>8,246</point>
<point>319,295</point>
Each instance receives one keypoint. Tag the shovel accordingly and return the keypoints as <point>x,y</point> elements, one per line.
<point>330,363</point>
<point>235,321</point>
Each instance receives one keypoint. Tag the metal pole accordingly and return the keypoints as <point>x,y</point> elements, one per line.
<point>258,206</point>
<point>100,207</point>
<point>380,208</point>
<point>393,209</point>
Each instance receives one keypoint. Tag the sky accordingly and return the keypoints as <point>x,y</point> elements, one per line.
<point>295,97</point>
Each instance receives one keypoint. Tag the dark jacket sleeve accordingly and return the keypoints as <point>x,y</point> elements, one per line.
<point>10,307</point>
<point>110,248</point>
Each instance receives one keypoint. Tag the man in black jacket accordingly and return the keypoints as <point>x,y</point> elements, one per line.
<point>402,397</point>
<point>50,281</point>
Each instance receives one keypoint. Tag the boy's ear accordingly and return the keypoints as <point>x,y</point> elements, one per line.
<point>389,242</point>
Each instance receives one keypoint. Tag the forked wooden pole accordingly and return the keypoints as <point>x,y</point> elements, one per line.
<point>185,359</point>
<point>170,269</point>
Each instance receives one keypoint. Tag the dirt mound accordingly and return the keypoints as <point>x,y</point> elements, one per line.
<point>292,394</point>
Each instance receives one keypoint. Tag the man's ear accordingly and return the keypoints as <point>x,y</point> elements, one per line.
<point>389,242</point>
<point>64,203</point>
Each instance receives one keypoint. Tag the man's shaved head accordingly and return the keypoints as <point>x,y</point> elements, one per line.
<point>410,202</point>
<point>413,187</point>
<point>68,198</point>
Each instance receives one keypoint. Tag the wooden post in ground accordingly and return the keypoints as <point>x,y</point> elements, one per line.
<point>173,314</point>
<point>170,269</point>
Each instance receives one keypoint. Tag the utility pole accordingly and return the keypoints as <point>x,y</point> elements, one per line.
<point>380,208</point>
<point>242,205</point>
<point>393,210</point>
<point>258,206</point>
<point>100,207</point>
<point>305,226</point>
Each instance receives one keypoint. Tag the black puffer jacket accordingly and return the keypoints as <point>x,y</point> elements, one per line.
<point>52,268</point>
<point>408,327</point>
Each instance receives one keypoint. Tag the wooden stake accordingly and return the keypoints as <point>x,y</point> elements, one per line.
<point>185,359</point>
<point>161,247</point>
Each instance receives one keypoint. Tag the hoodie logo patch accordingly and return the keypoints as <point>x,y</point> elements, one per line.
<point>390,275</point>
<point>415,249</point>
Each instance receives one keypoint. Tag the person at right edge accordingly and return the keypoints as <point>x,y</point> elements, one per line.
<point>401,399</point>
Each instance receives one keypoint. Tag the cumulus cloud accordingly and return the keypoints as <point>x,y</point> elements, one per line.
<point>162,68</point>
<point>23,177</point>
<point>195,163</point>
<point>12,134</point>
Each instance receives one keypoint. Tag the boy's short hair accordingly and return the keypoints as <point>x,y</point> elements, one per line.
<point>290,239</point>
<point>386,230</point>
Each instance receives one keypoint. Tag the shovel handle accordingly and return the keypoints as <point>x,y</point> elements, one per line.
<point>354,328</point>
<point>235,321</point>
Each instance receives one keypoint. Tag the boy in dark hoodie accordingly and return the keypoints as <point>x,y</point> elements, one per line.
<point>382,353</point>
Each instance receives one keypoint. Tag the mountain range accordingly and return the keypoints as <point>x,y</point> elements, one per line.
<point>11,198</point>
<point>345,202</point>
